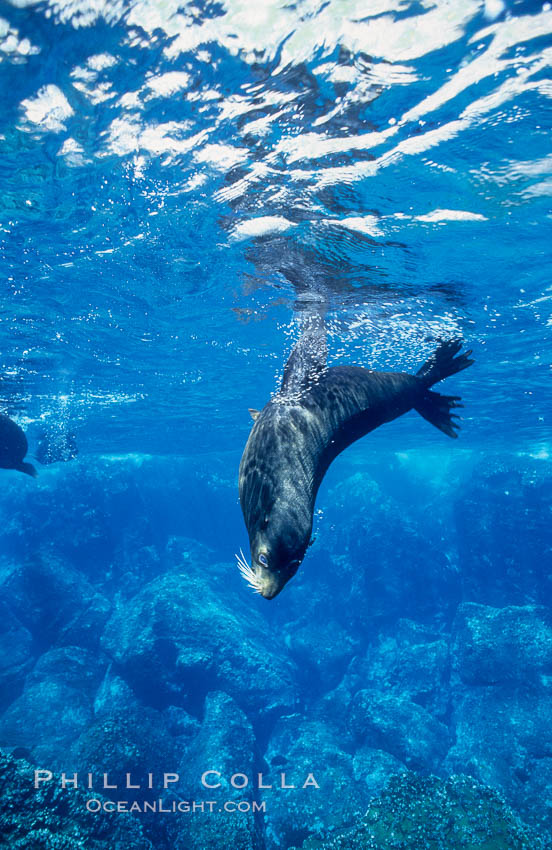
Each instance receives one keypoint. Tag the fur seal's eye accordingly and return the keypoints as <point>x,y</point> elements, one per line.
<point>262,560</point>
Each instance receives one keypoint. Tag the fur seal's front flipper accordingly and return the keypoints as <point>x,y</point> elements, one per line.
<point>27,468</point>
<point>318,412</point>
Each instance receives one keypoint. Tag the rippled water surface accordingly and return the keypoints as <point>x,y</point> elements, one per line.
<point>181,182</point>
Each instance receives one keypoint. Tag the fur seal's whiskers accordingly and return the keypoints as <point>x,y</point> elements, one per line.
<point>247,572</point>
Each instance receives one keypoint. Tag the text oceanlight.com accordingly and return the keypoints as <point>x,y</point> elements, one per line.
<point>175,806</point>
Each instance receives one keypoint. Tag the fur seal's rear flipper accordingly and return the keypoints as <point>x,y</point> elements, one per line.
<point>443,362</point>
<point>434,407</point>
<point>318,412</point>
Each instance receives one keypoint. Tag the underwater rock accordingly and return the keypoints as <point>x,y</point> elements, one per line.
<point>512,644</point>
<point>502,702</point>
<point>300,746</point>
<point>502,505</point>
<point>224,745</point>
<point>54,601</point>
<point>180,724</point>
<point>112,511</point>
<point>52,818</point>
<point>55,706</point>
<point>115,700</point>
<point>332,708</point>
<point>128,745</point>
<point>113,696</point>
<point>133,566</point>
<point>320,654</point>
<point>395,569</point>
<point>16,654</point>
<point>178,639</point>
<point>498,729</point>
<point>374,768</point>
<point>409,660</point>
<point>80,668</point>
<point>532,794</point>
<point>101,518</point>
<point>189,632</point>
<point>123,734</point>
<point>134,741</point>
<point>415,812</point>
<point>400,727</point>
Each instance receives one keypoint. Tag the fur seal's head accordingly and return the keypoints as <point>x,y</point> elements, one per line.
<point>279,535</point>
<point>270,569</point>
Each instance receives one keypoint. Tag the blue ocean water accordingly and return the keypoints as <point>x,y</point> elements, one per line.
<point>182,185</point>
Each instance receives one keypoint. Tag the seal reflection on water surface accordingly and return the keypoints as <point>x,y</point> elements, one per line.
<point>316,414</point>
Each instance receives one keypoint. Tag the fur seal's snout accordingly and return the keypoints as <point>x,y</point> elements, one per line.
<point>270,584</point>
<point>317,413</point>
<point>261,578</point>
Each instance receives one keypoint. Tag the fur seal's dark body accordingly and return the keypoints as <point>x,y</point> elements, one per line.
<point>318,412</point>
<point>13,446</point>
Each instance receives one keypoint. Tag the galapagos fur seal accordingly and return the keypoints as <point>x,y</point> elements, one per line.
<point>316,414</point>
<point>13,447</point>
